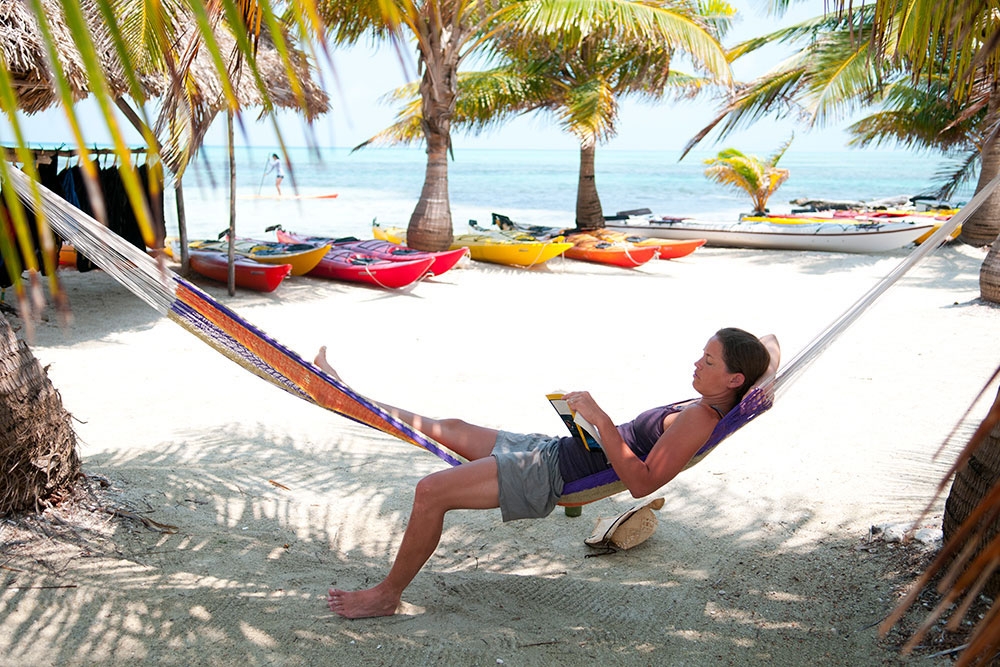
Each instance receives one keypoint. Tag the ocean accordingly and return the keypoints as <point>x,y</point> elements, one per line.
<point>529,186</point>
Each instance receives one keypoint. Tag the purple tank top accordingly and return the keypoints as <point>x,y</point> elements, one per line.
<point>640,434</point>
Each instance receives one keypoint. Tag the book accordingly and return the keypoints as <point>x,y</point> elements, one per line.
<point>582,430</point>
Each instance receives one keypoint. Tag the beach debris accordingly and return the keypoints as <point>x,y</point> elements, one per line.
<point>146,521</point>
<point>905,532</point>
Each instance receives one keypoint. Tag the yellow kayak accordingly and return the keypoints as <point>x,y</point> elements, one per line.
<point>302,256</point>
<point>489,247</point>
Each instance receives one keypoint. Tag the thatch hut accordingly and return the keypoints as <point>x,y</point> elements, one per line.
<point>24,49</point>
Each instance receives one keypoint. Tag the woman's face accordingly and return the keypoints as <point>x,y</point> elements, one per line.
<point>710,373</point>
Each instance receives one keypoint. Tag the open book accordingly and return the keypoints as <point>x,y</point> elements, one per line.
<point>582,430</point>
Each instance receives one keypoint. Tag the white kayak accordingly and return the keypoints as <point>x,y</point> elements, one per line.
<point>824,236</point>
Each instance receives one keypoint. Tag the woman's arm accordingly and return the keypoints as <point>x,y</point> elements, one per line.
<point>683,436</point>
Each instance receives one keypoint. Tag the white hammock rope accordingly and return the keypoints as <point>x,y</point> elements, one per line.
<point>124,262</point>
<point>141,274</point>
<point>791,371</point>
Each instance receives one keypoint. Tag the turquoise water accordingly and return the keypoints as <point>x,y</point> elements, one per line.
<point>534,187</point>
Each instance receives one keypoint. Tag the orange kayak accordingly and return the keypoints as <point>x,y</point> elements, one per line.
<point>592,248</point>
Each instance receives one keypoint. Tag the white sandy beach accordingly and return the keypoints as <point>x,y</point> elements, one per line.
<point>762,555</point>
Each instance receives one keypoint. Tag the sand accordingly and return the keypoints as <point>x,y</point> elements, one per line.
<point>764,553</point>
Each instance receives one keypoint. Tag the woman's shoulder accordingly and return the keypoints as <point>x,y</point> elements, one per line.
<point>701,410</point>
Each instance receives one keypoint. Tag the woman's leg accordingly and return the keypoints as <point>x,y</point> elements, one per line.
<point>472,485</point>
<point>467,440</point>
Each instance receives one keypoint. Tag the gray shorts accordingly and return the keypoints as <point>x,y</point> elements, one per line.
<point>528,473</point>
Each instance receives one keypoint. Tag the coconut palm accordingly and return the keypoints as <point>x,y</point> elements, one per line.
<point>572,34</point>
<point>831,76</point>
<point>920,115</point>
<point>123,55</point>
<point>38,452</point>
<point>748,173</point>
<point>914,31</point>
<point>852,58</point>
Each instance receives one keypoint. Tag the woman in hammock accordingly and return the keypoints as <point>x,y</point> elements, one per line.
<point>523,475</point>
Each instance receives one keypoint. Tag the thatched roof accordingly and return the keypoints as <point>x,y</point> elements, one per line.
<point>24,50</point>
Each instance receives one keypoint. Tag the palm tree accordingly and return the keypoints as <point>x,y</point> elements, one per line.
<point>853,59</point>
<point>831,76</point>
<point>748,173</point>
<point>577,33</point>
<point>916,32</point>
<point>921,116</point>
<point>38,453</point>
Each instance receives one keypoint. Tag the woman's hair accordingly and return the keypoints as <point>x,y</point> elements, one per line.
<point>274,156</point>
<point>743,352</point>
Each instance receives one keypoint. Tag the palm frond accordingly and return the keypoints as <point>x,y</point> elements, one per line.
<point>568,23</point>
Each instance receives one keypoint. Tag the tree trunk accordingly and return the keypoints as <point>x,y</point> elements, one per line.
<point>589,214</point>
<point>231,274</point>
<point>989,274</point>
<point>971,484</point>
<point>38,454</point>
<point>430,225</point>
<point>983,226</point>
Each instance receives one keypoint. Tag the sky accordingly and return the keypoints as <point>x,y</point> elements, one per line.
<point>362,75</point>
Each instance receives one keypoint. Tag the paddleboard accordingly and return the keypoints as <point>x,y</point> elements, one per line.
<point>329,195</point>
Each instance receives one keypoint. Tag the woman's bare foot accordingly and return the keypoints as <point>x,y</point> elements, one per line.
<point>321,363</point>
<point>361,604</point>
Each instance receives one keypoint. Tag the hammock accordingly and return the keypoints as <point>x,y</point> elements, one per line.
<point>255,351</point>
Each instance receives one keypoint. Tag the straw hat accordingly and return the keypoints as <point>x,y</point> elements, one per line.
<point>632,527</point>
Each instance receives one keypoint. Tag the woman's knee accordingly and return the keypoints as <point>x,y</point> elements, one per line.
<point>429,492</point>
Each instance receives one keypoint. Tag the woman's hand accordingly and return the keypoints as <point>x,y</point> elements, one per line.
<point>583,403</point>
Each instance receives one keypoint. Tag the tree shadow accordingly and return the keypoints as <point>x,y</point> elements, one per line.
<point>266,523</point>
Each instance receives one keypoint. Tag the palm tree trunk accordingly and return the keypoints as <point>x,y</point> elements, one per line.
<point>971,484</point>
<point>430,225</point>
<point>989,274</point>
<point>38,454</point>
<point>589,214</point>
<point>983,226</point>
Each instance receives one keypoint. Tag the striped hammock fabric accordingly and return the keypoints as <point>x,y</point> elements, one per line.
<point>241,342</point>
<point>215,324</point>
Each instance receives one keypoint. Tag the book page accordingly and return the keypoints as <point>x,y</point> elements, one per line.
<point>581,429</point>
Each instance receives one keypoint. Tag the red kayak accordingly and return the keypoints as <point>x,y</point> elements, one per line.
<point>342,263</point>
<point>248,273</point>
<point>442,261</point>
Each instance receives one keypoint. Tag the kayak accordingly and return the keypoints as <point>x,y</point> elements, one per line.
<point>341,263</point>
<point>675,248</point>
<point>829,236</point>
<point>598,245</point>
<point>934,218</point>
<point>665,248</point>
<point>492,248</point>
<point>248,273</point>
<point>592,248</point>
<point>381,249</point>
<point>302,256</point>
